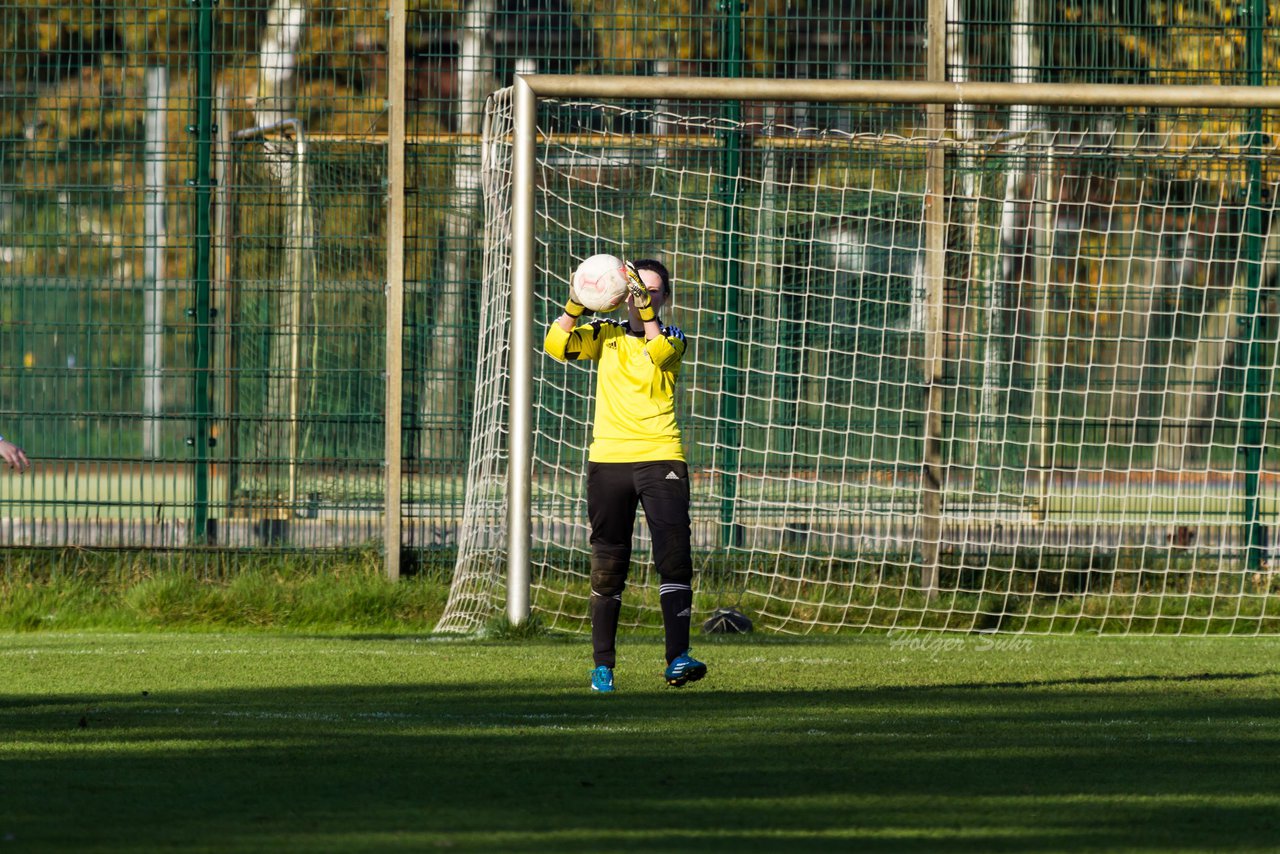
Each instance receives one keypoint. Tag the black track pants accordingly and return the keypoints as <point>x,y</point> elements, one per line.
<point>613,492</point>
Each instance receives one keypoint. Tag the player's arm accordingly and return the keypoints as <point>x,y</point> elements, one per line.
<point>667,349</point>
<point>573,312</point>
<point>566,340</point>
<point>13,456</point>
<point>665,345</point>
<point>643,303</point>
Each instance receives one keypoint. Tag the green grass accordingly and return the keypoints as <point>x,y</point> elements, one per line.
<point>250,741</point>
<point>326,591</point>
<point>1148,592</point>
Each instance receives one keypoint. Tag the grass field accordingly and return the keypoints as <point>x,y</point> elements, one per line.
<point>254,741</point>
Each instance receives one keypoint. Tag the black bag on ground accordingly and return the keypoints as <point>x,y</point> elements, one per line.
<point>727,621</point>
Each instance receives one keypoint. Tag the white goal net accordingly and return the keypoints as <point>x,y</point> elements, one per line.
<point>1093,449</point>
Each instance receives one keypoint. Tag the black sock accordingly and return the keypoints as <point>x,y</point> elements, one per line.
<point>604,628</point>
<point>677,612</point>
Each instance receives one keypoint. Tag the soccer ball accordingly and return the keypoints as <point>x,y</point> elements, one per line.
<point>600,282</point>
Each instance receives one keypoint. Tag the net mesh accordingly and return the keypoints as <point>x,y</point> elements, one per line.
<point>303,314</point>
<point>1106,335</point>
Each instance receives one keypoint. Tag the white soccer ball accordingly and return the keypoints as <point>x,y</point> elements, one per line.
<point>600,282</point>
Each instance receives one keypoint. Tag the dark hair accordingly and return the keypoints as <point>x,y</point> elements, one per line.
<point>657,267</point>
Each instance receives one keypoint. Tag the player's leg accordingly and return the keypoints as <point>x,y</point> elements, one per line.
<point>664,492</point>
<point>611,506</point>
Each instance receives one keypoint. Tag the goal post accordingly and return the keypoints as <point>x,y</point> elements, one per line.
<point>520,419</point>
<point>941,430</point>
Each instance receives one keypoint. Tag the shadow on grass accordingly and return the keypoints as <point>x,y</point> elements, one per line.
<point>973,767</point>
<point>1117,680</point>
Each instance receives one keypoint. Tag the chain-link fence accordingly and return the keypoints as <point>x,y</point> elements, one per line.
<point>193,205</point>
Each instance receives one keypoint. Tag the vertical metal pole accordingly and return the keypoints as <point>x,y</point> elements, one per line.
<point>1254,427</point>
<point>727,192</point>
<point>520,359</point>
<point>393,434</point>
<point>933,472</point>
<point>1043,206</point>
<point>157,82</point>
<point>203,237</point>
<point>298,255</point>
<point>223,283</point>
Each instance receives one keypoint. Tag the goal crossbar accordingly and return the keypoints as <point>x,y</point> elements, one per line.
<point>899,91</point>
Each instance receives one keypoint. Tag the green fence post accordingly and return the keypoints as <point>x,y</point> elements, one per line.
<point>1254,404</point>
<point>727,189</point>
<point>200,274</point>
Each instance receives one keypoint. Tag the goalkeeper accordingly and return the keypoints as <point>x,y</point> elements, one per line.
<point>635,458</point>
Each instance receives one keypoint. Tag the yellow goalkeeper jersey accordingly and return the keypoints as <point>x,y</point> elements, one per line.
<point>635,418</point>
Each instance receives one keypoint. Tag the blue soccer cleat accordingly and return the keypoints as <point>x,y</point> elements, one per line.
<point>602,679</point>
<point>684,669</point>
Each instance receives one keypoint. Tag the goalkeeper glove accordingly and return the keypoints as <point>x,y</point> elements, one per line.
<point>575,309</point>
<point>640,295</point>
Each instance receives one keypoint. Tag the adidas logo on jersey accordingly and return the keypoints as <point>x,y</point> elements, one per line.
<point>672,476</point>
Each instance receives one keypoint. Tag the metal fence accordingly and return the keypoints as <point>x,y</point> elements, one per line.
<point>193,225</point>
